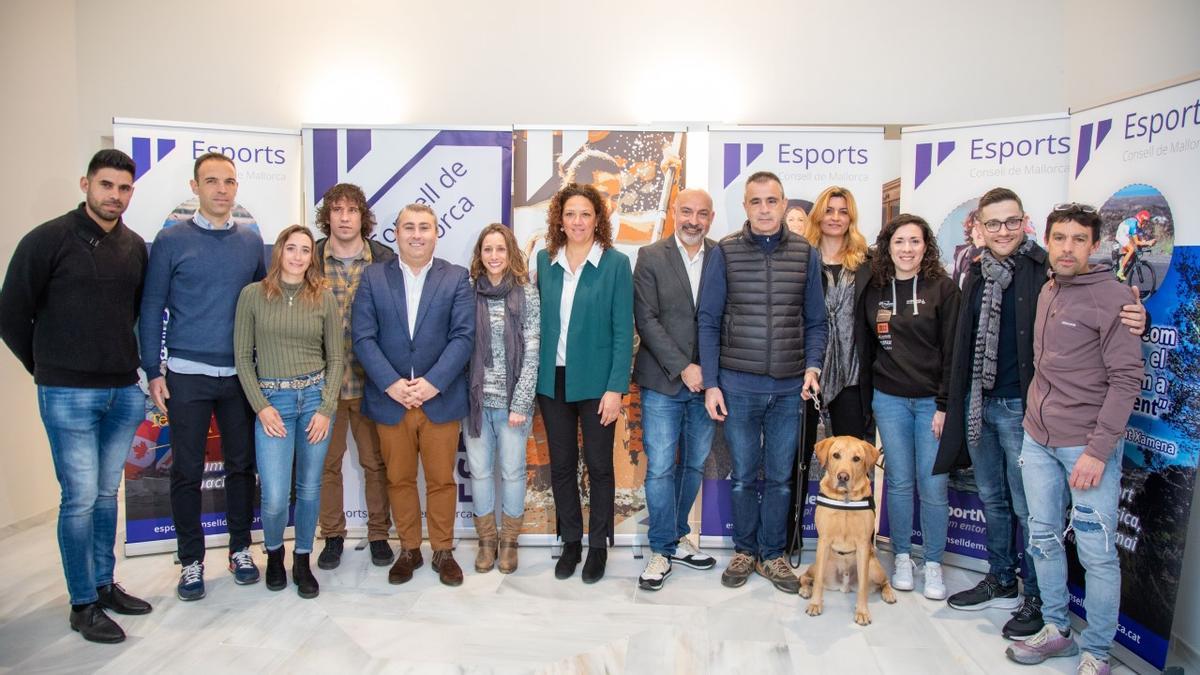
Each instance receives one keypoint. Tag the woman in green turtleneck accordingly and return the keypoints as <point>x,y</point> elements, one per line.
<point>288,353</point>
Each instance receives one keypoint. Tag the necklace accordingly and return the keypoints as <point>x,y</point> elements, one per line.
<point>292,297</point>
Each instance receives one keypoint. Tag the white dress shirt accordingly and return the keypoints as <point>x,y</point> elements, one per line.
<point>570,284</point>
<point>692,266</point>
<point>413,285</point>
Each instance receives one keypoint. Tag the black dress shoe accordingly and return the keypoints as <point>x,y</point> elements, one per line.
<point>115,598</point>
<point>331,555</point>
<point>593,567</point>
<point>568,560</point>
<point>94,625</point>
<point>381,553</point>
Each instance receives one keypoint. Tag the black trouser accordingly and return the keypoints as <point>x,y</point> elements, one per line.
<point>847,418</point>
<point>563,422</point>
<point>194,400</point>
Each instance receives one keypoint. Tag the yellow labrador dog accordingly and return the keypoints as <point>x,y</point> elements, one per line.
<point>845,520</point>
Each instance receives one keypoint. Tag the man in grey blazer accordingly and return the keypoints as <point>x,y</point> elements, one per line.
<point>666,285</point>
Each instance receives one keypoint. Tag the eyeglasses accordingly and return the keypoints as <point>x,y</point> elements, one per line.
<point>1075,206</point>
<point>1011,224</point>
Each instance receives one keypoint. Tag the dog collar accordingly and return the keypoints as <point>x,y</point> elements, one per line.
<point>833,503</point>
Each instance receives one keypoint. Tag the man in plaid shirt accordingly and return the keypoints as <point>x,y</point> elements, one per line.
<point>346,220</point>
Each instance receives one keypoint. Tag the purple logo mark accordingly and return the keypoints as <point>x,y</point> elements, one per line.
<point>142,153</point>
<point>733,159</point>
<point>925,159</point>
<point>325,154</point>
<point>1085,142</point>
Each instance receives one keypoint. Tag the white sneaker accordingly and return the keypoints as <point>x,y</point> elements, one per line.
<point>935,587</point>
<point>658,568</point>
<point>902,578</point>
<point>689,555</point>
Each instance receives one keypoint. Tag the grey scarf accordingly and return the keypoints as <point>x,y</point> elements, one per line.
<point>514,342</point>
<point>997,275</point>
<point>840,368</point>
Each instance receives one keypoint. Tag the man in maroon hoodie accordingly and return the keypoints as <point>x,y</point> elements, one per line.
<point>1088,371</point>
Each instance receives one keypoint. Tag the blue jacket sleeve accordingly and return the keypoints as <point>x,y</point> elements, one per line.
<point>710,314</point>
<point>364,331</point>
<point>461,340</point>
<point>816,330</point>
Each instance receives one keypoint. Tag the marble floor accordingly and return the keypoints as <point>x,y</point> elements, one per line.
<point>527,622</point>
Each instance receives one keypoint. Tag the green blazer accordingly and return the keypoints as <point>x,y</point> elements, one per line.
<point>600,336</point>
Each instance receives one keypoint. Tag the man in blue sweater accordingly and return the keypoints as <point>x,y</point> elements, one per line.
<point>196,271</point>
<point>762,333</point>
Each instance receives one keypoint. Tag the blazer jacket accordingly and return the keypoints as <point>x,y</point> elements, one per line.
<point>438,350</point>
<point>600,335</point>
<point>665,314</point>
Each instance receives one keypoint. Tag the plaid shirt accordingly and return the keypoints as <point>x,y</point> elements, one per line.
<point>343,281</point>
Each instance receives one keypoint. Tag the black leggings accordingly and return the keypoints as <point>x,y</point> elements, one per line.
<point>563,422</point>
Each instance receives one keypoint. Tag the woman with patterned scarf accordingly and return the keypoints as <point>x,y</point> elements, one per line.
<point>503,375</point>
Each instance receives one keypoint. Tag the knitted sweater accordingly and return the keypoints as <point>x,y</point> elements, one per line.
<point>495,379</point>
<point>70,302</point>
<point>274,339</point>
<point>196,274</point>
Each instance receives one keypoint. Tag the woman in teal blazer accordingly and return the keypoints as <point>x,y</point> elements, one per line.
<point>587,347</point>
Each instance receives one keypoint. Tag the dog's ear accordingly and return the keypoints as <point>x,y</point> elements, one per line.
<point>871,454</point>
<point>821,450</point>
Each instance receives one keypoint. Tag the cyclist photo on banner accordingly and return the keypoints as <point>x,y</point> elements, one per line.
<point>1140,232</point>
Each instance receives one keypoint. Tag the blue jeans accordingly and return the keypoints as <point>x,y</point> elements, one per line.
<point>669,422</point>
<point>909,449</point>
<point>275,458</point>
<point>90,433</point>
<point>762,432</point>
<point>998,477</point>
<point>496,437</point>
<point>1094,521</point>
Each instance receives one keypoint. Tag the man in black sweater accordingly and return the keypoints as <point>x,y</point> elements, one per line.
<point>67,311</point>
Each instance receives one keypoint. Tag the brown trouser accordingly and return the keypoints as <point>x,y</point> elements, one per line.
<point>437,446</point>
<point>333,513</point>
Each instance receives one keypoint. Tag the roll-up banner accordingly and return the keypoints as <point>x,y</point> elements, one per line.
<point>945,169</point>
<point>1138,161</point>
<point>463,173</point>
<point>268,200</point>
<point>807,160</point>
<point>638,170</point>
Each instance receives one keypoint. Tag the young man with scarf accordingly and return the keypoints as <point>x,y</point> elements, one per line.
<point>993,366</point>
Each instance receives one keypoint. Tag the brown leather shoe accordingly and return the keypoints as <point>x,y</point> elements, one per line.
<point>510,529</point>
<point>449,573</point>
<point>485,528</point>
<point>408,560</point>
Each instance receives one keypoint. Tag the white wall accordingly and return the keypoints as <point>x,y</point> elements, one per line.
<point>39,109</point>
<point>805,61</point>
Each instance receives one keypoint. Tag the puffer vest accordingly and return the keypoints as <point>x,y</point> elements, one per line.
<point>762,331</point>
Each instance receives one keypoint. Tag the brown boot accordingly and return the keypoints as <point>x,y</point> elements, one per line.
<point>510,529</point>
<point>485,527</point>
<point>449,573</point>
<point>406,562</point>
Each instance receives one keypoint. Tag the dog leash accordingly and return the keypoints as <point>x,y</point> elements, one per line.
<point>803,459</point>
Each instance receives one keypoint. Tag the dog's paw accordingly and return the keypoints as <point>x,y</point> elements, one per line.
<point>805,590</point>
<point>814,609</point>
<point>889,596</point>
<point>862,617</point>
